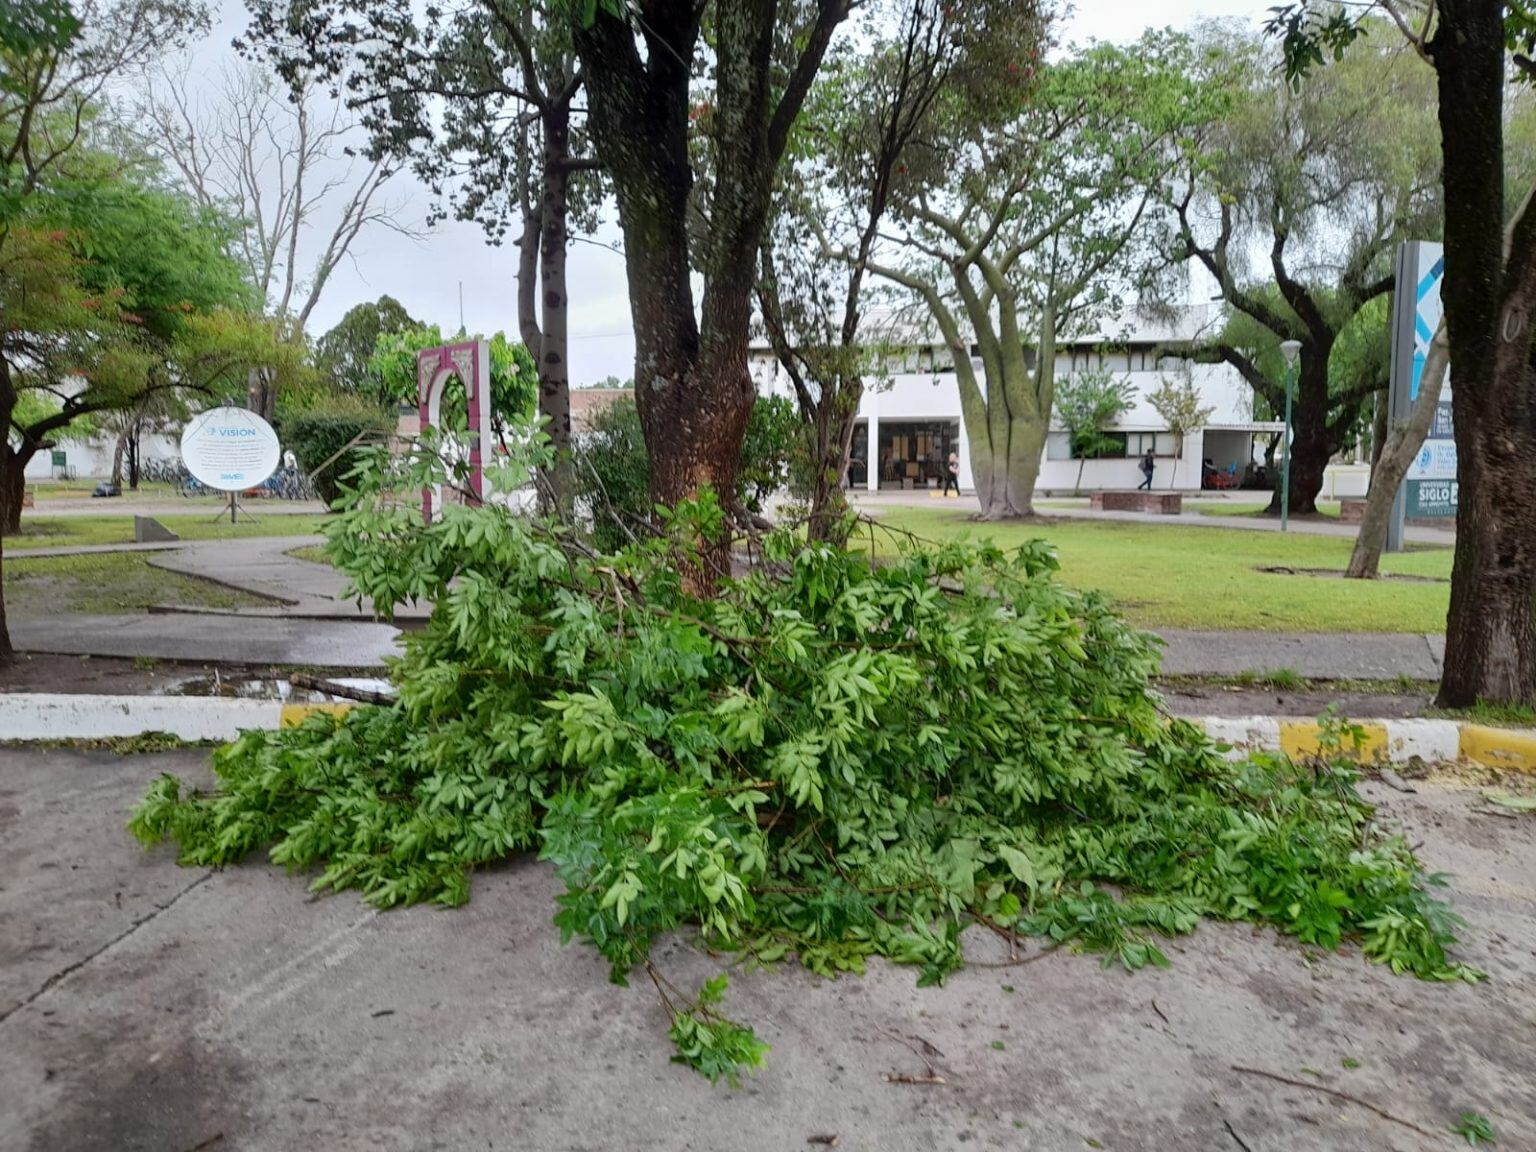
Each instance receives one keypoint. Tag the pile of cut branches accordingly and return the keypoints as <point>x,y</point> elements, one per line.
<point>834,759</point>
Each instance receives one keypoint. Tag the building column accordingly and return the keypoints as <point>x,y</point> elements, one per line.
<point>872,477</point>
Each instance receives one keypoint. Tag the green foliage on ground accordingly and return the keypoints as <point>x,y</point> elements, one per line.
<point>832,760</point>
<point>1181,576</point>
<point>39,532</point>
<point>106,584</point>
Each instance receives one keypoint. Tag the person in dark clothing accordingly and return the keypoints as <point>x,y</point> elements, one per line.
<point>952,474</point>
<point>1148,466</point>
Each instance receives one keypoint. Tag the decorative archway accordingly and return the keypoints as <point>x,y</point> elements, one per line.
<point>470,361</point>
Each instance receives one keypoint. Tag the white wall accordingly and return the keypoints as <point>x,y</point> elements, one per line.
<point>93,458</point>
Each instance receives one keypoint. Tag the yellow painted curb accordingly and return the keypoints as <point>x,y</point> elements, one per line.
<point>295,714</point>
<point>1299,738</point>
<point>1499,747</point>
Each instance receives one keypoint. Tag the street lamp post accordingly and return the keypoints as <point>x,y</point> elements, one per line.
<point>1290,349</point>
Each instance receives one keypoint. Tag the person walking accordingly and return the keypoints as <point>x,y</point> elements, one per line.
<point>1148,466</point>
<point>952,474</point>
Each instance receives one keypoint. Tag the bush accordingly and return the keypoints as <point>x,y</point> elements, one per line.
<point>614,474</point>
<point>834,759</point>
<point>315,437</point>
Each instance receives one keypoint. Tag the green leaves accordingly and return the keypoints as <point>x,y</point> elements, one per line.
<point>832,760</point>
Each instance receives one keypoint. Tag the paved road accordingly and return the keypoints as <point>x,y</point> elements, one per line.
<point>149,1007</point>
<point>1318,656</point>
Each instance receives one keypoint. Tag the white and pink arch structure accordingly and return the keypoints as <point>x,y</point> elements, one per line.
<point>470,360</point>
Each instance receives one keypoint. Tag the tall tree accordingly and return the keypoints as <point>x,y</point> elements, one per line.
<point>917,63</point>
<point>692,385</point>
<point>277,160</point>
<point>1293,203</point>
<point>1041,228</point>
<point>1489,294</point>
<point>343,353</point>
<point>481,99</point>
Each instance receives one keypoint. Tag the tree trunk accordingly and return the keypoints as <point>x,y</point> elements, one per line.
<point>10,499</point>
<point>832,433</point>
<point>1007,467</point>
<point>1490,647</point>
<point>1379,421</point>
<point>553,348</point>
<point>1396,453</point>
<point>1311,445</point>
<point>118,449</point>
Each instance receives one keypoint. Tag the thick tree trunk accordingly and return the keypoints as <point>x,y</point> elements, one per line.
<point>1007,467</point>
<point>118,450</point>
<point>10,499</point>
<point>1491,627</point>
<point>549,237</point>
<point>1311,445</point>
<point>1379,422</point>
<point>13,486</point>
<point>1393,457</point>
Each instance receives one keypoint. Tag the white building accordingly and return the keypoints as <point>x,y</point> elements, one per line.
<point>914,421</point>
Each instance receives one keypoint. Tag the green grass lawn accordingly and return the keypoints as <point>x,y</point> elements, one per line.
<point>1195,577</point>
<point>106,584</point>
<point>314,553</point>
<point>70,531</point>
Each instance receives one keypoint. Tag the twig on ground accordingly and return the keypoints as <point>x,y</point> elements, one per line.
<point>830,1140</point>
<point>1231,1131</point>
<point>1336,1094</point>
<point>896,1078</point>
<point>1160,1014</point>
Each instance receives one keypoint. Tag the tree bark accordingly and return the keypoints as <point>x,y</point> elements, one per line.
<point>1312,443</point>
<point>1491,627</point>
<point>1399,448</point>
<point>118,450</point>
<point>10,499</point>
<point>693,390</point>
<point>553,353</point>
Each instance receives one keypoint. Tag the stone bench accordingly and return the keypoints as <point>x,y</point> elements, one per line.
<point>1160,503</point>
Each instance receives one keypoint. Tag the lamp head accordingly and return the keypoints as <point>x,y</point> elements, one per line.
<point>1290,349</point>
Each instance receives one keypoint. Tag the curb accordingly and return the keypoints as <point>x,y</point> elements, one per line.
<point>27,716</point>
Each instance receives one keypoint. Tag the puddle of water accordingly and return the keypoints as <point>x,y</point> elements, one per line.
<point>267,688</point>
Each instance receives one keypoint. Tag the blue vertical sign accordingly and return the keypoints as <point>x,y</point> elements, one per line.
<point>1429,489</point>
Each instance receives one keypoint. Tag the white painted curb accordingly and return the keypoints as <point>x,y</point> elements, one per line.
<point>49,716</point>
<point>46,716</point>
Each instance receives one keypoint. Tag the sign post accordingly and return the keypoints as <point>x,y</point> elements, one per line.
<point>1429,490</point>
<point>230,450</point>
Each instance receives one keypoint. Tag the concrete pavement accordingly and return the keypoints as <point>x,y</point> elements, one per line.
<point>149,1007</point>
<point>1314,655</point>
<point>206,638</point>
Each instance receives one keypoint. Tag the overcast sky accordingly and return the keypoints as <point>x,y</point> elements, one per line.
<point>425,275</point>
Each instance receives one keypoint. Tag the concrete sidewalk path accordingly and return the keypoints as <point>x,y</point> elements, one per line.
<point>205,639</point>
<point>13,553</point>
<point>263,566</point>
<point>147,1006</point>
<point>1314,655</point>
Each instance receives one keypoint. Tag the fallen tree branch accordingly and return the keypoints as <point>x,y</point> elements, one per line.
<point>331,688</point>
<point>1337,1095</point>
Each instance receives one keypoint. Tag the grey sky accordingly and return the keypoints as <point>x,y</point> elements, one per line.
<point>425,274</point>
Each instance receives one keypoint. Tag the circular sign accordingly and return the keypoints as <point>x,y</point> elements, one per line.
<point>230,449</point>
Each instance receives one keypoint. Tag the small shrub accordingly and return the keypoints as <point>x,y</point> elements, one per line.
<point>316,437</point>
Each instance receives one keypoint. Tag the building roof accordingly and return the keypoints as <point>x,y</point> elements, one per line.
<point>588,402</point>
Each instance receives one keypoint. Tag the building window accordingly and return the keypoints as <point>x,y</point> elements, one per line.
<point>1112,446</point>
<point>1158,443</point>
